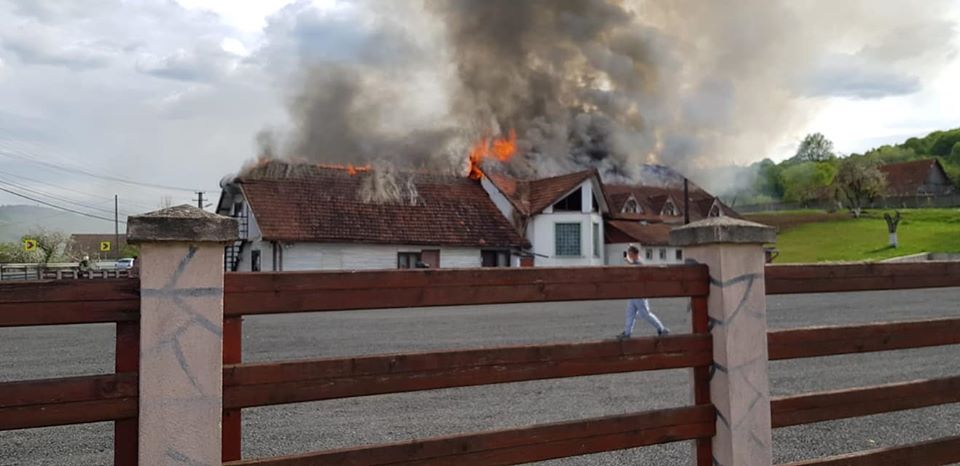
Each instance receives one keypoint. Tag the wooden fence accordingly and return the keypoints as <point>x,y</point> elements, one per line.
<point>113,397</point>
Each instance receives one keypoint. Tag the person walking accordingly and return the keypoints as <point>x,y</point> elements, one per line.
<point>639,306</point>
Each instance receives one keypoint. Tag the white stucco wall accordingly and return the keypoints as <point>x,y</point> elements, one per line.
<point>541,232</point>
<point>542,235</point>
<point>343,256</point>
<point>499,200</point>
<point>614,254</point>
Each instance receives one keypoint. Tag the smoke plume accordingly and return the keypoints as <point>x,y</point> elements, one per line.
<point>607,84</point>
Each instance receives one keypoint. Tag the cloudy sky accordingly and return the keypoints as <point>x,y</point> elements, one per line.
<point>156,98</point>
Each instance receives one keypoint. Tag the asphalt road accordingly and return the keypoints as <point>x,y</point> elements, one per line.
<point>78,350</point>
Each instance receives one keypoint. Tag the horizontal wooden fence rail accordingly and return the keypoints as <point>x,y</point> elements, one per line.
<point>71,400</point>
<point>825,278</point>
<point>854,402</point>
<point>826,341</point>
<point>513,446</point>
<point>932,452</point>
<point>248,385</point>
<point>69,302</point>
<point>280,292</point>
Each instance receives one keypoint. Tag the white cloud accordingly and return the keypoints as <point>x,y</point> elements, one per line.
<point>37,44</point>
<point>206,62</point>
<point>234,46</point>
<point>249,17</point>
<point>192,124</point>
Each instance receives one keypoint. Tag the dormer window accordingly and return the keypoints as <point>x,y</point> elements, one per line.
<point>715,210</point>
<point>670,209</point>
<point>571,203</point>
<point>631,206</point>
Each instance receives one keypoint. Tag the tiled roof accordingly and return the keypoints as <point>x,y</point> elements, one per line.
<point>649,234</point>
<point>322,204</point>
<point>544,192</point>
<point>906,178</point>
<point>652,199</point>
<point>533,196</point>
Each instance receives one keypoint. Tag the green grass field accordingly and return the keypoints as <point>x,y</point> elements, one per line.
<point>863,239</point>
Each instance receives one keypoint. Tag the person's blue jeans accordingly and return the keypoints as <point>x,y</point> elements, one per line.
<point>640,307</point>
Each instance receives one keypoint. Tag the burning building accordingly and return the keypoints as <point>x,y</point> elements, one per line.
<point>323,217</point>
<point>319,217</point>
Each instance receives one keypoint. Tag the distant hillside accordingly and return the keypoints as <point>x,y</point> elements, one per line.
<point>17,220</point>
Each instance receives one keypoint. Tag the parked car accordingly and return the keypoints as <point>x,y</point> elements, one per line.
<point>125,264</point>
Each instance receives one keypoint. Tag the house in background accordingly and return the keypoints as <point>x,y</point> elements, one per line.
<point>561,217</point>
<point>92,245</point>
<point>919,178</point>
<point>309,217</point>
<point>643,215</point>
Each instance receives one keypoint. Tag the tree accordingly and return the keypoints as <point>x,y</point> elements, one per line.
<point>50,244</point>
<point>945,142</point>
<point>859,181</point>
<point>955,154</point>
<point>768,181</point>
<point>14,253</point>
<point>808,181</point>
<point>814,148</point>
<point>130,250</point>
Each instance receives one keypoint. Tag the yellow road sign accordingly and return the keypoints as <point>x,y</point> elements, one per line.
<point>104,246</point>
<point>29,245</point>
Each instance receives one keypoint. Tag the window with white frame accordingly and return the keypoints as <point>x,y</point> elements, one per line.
<point>663,254</point>
<point>567,239</point>
<point>649,254</point>
<point>679,255</point>
<point>631,206</point>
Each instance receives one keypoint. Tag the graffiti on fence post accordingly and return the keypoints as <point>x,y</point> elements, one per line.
<point>739,385</point>
<point>181,333</point>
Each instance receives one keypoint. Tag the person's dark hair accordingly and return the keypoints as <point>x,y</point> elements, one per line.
<point>633,249</point>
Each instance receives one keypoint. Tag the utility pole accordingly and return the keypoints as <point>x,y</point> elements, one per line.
<point>200,200</point>
<point>116,225</point>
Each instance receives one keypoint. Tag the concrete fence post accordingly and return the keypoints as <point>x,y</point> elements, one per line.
<point>739,384</point>
<point>181,333</point>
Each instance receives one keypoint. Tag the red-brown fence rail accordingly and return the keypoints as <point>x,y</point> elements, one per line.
<point>39,403</point>
<point>285,292</point>
<point>835,340</point>
<point>514,446</point>
<point>75,400</point>
<point>797,279</point>
<point>249,385</point>
<point>69,302</point>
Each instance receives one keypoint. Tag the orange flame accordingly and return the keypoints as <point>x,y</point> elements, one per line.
<point>351,169</point>
<point>502,149</point>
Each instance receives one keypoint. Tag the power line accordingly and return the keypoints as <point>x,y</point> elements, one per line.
<point>21,187</point>
<point>143,204</point>
<point>66,209</point>
<point>7,153</point>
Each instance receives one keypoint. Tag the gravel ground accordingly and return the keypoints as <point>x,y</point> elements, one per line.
<point>277,430</point>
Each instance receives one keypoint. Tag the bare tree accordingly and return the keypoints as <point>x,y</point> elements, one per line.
<point>892,222</point>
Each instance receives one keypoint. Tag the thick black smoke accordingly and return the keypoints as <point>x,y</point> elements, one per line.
<point>609,84</point>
